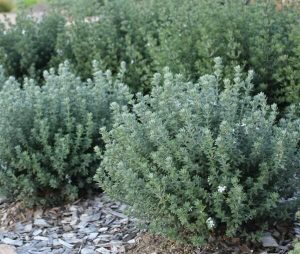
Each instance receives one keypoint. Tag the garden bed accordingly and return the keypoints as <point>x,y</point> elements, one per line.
<point>99,225</point>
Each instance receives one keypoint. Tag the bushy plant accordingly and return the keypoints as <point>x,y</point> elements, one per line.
<point>26,3</point>
<point>6,5</point>
<point>27,47</point>
<point>149,35</point>
<point>254,36</point>
<point>192,159</point>
<point>48,134</point>
<point>117,33</point>
<point>185,35</point>
<point>296,249</point>
<point>78,8</point>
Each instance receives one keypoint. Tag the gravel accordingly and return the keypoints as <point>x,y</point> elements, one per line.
<point>97,225</point>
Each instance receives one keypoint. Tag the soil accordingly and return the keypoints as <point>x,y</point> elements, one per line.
<point>148,244</point>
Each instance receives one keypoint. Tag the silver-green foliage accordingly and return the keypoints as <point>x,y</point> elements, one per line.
<point>48,134</point>
<point>191,158</point>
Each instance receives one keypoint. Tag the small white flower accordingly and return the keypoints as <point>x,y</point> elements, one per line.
<point>242,124</point>
<point>221,189</point>
<point>219,139</point>
<point>208,180</point>
<point>210,223</point>
<point>23,31</point>
<point>177,104</point>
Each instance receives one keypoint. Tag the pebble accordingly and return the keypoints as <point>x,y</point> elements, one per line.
<point>103,250</point>
<point>269,241</point>
<point>7,249</point>
<point>41,238</point>
<point>41,223</point>
<point>12,242</point>
<point>88,250</point>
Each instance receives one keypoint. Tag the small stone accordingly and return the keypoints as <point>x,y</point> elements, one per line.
<point>121,249</point>
<point>68,235</point>
<point>2,200</point>
<point>41,238</point>
<point>41,223</point>
<point>24,249</point>
<point>66,227</point>
<point>58,251</point>
<point>56,243</point>
<point>19,227</point>
<point>115,243</point>
<point>92,236</point>
<point>269,241</point>
<point>28,228</point>
<point>276,234</point>
<point>132,241</point>
<point>68,245</point>
<point>104,238</point>
<point>12,242</point>
<point>7,249</point>
<point>101,230</point>
<point>128,237</point>
<point>37,232</point>
<point>88,250</point>
<point>103,250</point>
<point>38,214</point>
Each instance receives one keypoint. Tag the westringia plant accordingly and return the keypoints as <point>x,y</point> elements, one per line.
<point>48,134</point>
<point>192,158</point>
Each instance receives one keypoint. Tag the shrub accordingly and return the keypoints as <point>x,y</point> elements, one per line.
<point>254,36</point>
<point>191,159</point>
<point>27,47</point>
<point>185,35</point>
<point>6,5</point>
<point>117,33</point>
<point>296,249</point>
<point>26,3</point>
<point>78,8</point>
<point>48,134</point>
<point>149,35</point>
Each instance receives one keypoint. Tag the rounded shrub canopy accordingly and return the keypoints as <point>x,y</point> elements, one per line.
<point>48,134</point>
<point>195,158</point>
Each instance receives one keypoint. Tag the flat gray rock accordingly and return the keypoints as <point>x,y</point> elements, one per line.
<point>2,199</point>
<point>7,249</point>
<point>269,241</point>
<point>41,223</point>
<point>12,242</point>
<point>88,250</point>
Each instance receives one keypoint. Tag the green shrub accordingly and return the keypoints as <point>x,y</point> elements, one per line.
<point>296,249</point>
<point>149,35</point>
<point>255,36</point>
<point>185,35</point>
<point>26,3</point>
<point>118,33</point>
<point>27,47</point>
<point>48,134</point>
<point>77,8</point>
<point>6,5</point>
<point>191,159</point>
